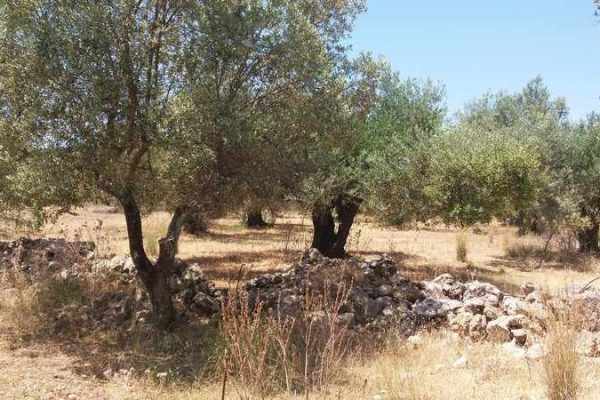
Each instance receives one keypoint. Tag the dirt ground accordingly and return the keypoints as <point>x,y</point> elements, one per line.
<point>53,371</point>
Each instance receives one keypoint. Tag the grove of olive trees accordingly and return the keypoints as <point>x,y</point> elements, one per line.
<point>207,107</point>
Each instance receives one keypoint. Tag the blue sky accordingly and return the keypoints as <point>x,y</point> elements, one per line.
<point>473,46</point>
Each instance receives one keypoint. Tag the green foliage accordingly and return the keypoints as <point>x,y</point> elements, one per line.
<point>474,176</point>
<point>396,146</point>
<point>169,103</point>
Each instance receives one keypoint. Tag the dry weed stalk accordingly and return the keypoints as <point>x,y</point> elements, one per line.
<point>268,351</point>
<point>561,362</point>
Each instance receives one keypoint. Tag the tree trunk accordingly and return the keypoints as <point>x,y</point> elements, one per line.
<point>324,228</point>
<point>254,219</point>
<point>347,208</point>
<point>588,239</point>
<point>326,239</point>
<point>154,276</point>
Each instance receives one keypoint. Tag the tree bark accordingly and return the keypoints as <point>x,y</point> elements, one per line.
<point>154,276</point>
<point>347,207</point>
<point>329,241</point>
<point>254,219</point>
<point>324,228</point>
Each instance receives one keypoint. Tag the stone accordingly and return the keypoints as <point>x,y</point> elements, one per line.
<point>347,318</point>
<point>535,352</point>
<point>513,305</point>
<point>491,312</point>
<point>499,330</point>
<point>534,297</point>
<point>460,322</point>
<point>519,336</point>
<point>461,363</point>
<point>429,309</point>
<point>514,349</point>
<point>203,303</point>
<point>385,290</point>
<point>487,292</point>
<point>474,306</point>
<point>477,327</point>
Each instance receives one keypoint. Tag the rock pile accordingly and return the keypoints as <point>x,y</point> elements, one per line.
<point>124,301</point>
<point>37,257</point>
<point>370,295</point>
<point>379,296</point>
<point>375,293</point>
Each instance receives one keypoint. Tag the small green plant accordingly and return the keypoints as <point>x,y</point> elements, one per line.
<point>462,249</point>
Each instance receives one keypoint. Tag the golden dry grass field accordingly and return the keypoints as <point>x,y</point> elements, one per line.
<point>54,369</point>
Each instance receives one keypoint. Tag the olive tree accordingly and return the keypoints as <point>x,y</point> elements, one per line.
<point>153,102</point>
<point>374,119</point>
<point>396,147</point>
<point>476,175</point>
<point>583,175</point>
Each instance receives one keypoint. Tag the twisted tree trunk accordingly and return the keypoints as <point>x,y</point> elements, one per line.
<point>324,228</point>
<point>254,219</point>
<point>154,276</point>
<point>329,241</point>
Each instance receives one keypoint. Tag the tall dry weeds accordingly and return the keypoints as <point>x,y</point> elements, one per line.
<point>561,362</point>
<point>266,351</point>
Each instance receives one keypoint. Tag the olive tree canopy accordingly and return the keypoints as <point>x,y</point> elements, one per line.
<point>159,102</point>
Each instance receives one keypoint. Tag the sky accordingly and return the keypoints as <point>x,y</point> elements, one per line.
<point>476,46</point>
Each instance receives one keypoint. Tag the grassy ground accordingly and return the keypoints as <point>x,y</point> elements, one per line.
<point>63,368</point>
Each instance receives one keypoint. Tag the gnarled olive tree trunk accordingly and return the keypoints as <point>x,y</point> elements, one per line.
<point>329,241</point>
<point>254,218</point>
<point>154,275</point>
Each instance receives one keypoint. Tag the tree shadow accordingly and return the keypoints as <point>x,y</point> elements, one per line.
<point>237,266</point>
<point>189,352</point>
<point>553,260</point>
<point>277,233</point>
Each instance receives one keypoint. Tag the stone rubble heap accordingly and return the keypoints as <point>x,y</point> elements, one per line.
<point>376,296</point>
<point>36,259</point>
<point>379,296</point>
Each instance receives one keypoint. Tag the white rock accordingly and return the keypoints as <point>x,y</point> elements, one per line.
<point>513,305</point>
<point>462,362</point>
<point>514,349</point>
<point>535,352</point>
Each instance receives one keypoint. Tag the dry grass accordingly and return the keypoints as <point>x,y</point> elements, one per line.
<point>267,352</point>
<point>562,362</point>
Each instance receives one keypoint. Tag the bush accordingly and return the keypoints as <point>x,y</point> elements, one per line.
<point>524,250</point>
<point>37,309</point>
<point>268,352</point>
